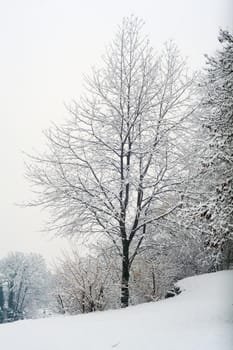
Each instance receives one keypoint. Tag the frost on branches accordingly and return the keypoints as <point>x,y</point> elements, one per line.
<point>217,208</point>
<point>24,286</point>
<point>109,171</point>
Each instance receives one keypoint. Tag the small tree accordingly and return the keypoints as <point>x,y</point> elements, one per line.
<point>84,284</point>
<point>110,168</point>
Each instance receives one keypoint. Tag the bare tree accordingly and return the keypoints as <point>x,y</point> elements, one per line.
<point>27,283</point>
<point>110,169</point>
<point>85,284</point>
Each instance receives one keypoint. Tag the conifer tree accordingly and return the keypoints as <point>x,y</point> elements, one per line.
<point>217,163</point>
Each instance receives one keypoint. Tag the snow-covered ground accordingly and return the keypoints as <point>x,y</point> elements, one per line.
<point>201,318</point>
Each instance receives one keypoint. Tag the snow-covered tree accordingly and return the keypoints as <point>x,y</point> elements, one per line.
<point>86,284</point>
<point>2,302</point>
<point>216,213</point>
<point>27,280</point>
<point>166,258</point>
<point>108,171</point>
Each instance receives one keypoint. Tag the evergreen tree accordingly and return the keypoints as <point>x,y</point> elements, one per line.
<point>217,208</point>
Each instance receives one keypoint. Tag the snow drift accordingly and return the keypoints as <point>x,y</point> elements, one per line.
<point>200,318</point>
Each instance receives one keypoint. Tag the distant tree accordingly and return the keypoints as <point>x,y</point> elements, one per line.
<point>27,280</point>
<point>108,171</point>
<point>2,300</point>
<point>84,284</point>
<point>2,303</point>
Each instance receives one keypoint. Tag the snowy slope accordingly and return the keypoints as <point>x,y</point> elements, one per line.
<point>201,318</point>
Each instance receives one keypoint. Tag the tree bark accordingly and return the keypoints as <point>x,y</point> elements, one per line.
<point>125,275</point>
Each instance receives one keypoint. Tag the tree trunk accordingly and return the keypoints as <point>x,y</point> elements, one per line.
<point>125,275</point>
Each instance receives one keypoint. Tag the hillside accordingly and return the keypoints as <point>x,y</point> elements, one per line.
<point>200,318</point>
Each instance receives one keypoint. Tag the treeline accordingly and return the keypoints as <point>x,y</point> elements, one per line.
<point>92,283</point>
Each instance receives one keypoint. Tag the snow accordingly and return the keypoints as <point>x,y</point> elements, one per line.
<point>200,318</point>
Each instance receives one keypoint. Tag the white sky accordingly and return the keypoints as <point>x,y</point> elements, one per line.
<point>46,46</point>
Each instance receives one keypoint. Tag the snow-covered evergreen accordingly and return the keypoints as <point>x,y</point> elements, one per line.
<point>217,162</point>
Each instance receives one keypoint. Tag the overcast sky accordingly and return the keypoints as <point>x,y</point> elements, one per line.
<point>46,46</point>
